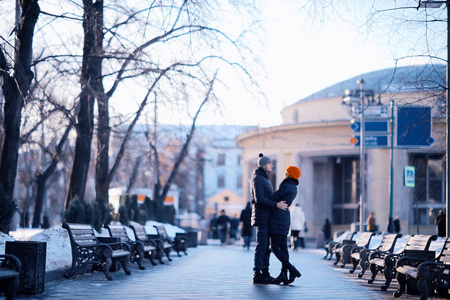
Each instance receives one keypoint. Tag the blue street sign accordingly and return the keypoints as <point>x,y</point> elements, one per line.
<point>371,126</point>
<point>373,141</point>
<point>414,126</point>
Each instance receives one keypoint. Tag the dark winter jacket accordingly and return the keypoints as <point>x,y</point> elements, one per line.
<point>246,219</point>
<point>262,194</point>
<point>280,221</point>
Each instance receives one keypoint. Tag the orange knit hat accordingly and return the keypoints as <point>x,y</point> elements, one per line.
<point>293,172</point>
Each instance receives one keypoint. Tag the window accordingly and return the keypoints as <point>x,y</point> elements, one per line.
<point>239,182</point>
<point>429,190</point>
<point>221,160</point>
<point>221,181</point>
<point>226,198</point>
<point>346,190</point>
<point>239,158</point>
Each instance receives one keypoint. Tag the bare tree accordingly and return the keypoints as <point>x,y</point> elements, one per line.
<point>16,77</point>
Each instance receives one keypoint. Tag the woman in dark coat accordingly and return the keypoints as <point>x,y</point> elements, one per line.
<point>246,230</point>
<point>280,222</point>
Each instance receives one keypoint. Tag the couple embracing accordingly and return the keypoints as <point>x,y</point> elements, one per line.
<point>271,218</point>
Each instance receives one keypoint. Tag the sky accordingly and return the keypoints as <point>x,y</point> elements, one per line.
<point>310,48</point>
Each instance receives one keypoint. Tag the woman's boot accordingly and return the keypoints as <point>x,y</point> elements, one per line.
<point>281,278</point>
<point>293,273</point>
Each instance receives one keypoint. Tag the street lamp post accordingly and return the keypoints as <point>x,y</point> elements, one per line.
<point>351,98</point>
<point>362,157</point>
<point>437,4</point>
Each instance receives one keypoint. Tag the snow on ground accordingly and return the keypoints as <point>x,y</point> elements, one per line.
<point>59,253</point>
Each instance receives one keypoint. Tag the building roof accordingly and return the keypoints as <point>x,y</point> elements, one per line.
<point>401,79</point>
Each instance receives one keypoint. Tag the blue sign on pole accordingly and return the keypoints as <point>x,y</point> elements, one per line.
<point>371,126</point>
<point>414,126</point>
<point>372,141</point>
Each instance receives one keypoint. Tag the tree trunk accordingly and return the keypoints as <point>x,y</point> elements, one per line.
<point>42,178</point>
<point>15,89</point>
<point>90,79</point>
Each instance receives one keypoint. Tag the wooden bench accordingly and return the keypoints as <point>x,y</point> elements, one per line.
<point>10,270</point>
<point>179,243</point>
<point>335,243</point>
<point>162,240</point>
<point>361,256</point>
<point>385,262</point>
<point>422,272</point>
<point>139,250</point>
<point>88,251</point>
<point>344,252</point>
<point>148,239</point>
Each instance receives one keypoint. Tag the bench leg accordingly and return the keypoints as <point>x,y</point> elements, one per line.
<point>124,262</point>
<point>167,251</point>
<point>363,263</point>
<point>10,287</point>
<point>388,275</point>
<point>374,270</point>
<point>354,265</point>
<point>338,258</point>
<point>139,257</point>
<point>106,267</point>
<point>401,279</point>
<point>422,283</point>
<point>151,257</point>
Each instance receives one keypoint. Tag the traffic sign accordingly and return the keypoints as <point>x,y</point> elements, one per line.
<point>371,126</point>
<point>410,174</point>
<point>414,126</point>
<point>375,111</point>
<point>372,141</point>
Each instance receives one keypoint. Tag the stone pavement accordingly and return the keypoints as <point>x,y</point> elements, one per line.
<point>214,272</point>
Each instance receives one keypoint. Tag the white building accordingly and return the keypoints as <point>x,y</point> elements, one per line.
<point>316,135</point>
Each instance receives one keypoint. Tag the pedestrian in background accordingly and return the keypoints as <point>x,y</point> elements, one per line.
<point>397,224</point>
<point>234,228</point>
<point>371,223</point>
<point>246,229</point>
<point>441,224</point>
<point>298,220</point>
<point>223,222</point>
<point>213,228</point>
<point>326,229</point>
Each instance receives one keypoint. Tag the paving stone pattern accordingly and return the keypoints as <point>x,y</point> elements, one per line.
<point>215,272</point>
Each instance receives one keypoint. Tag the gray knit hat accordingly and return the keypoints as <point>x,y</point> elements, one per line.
<point>263,160</point>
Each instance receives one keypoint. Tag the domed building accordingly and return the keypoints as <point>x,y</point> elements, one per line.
<point>404,120</point>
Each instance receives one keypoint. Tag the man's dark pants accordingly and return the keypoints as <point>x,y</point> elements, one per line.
<point>262,254</point>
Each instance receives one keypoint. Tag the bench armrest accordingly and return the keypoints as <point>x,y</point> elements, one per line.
<point>413,261</point>
<point>378,254</point>
<point>11,260</point>
<point>431,268</point>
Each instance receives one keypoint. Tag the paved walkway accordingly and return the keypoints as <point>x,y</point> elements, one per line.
<point>214,272</point>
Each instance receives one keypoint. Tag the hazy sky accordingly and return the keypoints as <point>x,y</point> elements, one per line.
<point>310,48</point>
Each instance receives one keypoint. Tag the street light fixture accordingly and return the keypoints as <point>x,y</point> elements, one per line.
<point>357,98</point>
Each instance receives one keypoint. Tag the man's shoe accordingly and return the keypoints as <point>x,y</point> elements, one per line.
<point>258,278</point>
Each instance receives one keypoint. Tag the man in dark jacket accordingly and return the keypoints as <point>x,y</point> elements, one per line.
<point>263,205</point>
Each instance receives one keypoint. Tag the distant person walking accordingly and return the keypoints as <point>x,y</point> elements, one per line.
<point>223,222</point>
<point>263,205</point>
<point>298,220</point>
<point>397,228</point>
<point>279,224</point>
<point>246,230</point>
<point>326,229</point>
<point>441,224</point>
<point>234,228</point>
<point>371,223</point>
